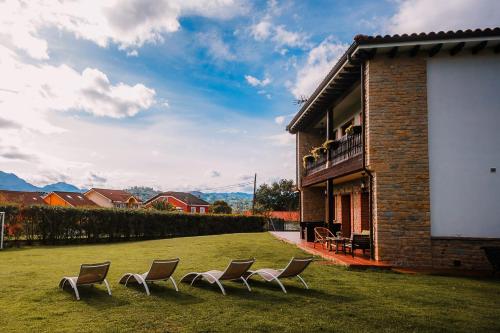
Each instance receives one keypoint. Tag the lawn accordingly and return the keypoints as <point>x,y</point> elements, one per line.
<point>340,300</point>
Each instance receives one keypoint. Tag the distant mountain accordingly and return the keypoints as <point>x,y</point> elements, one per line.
<point>61,186</point>
<point>9,181</point>
<point>239,201</point>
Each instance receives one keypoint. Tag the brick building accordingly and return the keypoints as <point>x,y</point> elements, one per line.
<point>407,147</point>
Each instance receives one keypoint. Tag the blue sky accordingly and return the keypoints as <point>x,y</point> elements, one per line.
<point>178,94</point>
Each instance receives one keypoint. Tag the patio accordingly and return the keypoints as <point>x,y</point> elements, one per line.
<point>358,261</point>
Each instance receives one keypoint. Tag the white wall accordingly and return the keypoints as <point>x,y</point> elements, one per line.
<point>464,143</point>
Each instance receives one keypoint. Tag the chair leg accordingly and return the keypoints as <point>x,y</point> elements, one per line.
<point>175,284</point>
<point>246,283</point>
<point>303,282</point>
<point>107,286</point>
<point>221,287</point>
<point>73,285</point>
<point>194,279</point>
<point>281,285</point>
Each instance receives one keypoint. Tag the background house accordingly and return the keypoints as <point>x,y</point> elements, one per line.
<point>21,198</point>
<point>186,202</point>
<point>112,198</point>
<point>70,199</point>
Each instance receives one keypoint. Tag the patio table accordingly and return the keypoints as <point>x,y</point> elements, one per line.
<point>338,241</point>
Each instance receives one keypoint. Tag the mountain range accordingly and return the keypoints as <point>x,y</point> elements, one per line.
<point>9,181</point>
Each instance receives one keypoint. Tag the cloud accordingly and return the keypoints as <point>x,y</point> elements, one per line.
<point>8,124</point>
<point>262,30</point>
<point>415,16</point>
<point>283,139</point>
<point>279,120</point>
<point>40,90</point>
<point>254,82</point>
<point>96,179</point>
<point>213,174</point>
<point>126,23</point>
<point>215,45</point>
<point>320,60</point>
<point>279,35</point>
<point>14,153</point>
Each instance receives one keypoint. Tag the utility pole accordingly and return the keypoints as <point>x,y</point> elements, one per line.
<point>254,190</point>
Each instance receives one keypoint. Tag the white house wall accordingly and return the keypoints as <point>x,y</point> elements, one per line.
<point>464,145</point>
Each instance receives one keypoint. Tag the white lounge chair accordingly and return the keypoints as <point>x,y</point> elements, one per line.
<point>236,270</point>
<point>89,274</point>
<point>160,270</point>
<point>293,269</point>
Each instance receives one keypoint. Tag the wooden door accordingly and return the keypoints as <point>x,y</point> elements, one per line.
<point>346,215</point>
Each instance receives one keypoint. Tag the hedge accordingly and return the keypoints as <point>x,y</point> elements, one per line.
<point>64,225</point>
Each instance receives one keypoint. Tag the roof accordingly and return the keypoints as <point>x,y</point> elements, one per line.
<point>114,195</point>
<point>347,71</point>
<point>21,197</point>
<point>187,198</point>
<point>75,199</point>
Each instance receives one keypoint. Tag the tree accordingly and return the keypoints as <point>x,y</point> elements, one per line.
<point>279,196</point>
<point>221,207</point>
<point>163,205</point>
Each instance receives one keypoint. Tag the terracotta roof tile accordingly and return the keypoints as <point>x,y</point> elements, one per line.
<point>21,197</point>
<point>114,195</point>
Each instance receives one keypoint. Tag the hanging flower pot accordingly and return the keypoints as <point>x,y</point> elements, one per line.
<point>307,160</point>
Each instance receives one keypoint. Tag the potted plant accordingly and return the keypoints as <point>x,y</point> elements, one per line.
<point>318,151</point>
<point>333,144</point>
<point>351,130</point>
<point>307,160</point>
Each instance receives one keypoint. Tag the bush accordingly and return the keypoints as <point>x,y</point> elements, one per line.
<point>64,225</point>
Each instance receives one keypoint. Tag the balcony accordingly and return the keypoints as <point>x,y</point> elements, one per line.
<point>344,156</point>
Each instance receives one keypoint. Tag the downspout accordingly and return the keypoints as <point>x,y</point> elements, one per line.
<point>368,172</point>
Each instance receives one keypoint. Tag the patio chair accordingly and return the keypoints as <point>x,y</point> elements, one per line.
<point>236,270</point>
<point>293,269</point>
<point>160,270</point>
<point>359,241</point>
<point>89,274</point>
<point>320,235</point>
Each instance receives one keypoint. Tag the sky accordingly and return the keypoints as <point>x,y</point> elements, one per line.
<point>179,94</point>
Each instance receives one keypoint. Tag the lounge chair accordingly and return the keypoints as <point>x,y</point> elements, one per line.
<point>160,270</point>
<point>321,234</point>
<point>89,274</point>
<point>293,269</point>
<point>236,270</point>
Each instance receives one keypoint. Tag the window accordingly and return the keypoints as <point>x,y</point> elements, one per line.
<point>193,209</point>
<point>202,209</point>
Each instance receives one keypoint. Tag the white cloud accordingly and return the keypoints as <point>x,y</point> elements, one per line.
<point>29,93</point>
<point>262,30</point>
<point>254,82</point>
<point>283,139</point>
<point>319,62</point>
<point>127,23</point>
<point>279,120</point>
<point>283,37</point>
<point>415,16</point>
<point>215,45</point>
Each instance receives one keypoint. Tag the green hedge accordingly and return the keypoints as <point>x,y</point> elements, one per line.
<point>55,225</point>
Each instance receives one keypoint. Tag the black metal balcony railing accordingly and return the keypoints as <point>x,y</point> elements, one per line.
<point>341,150</point>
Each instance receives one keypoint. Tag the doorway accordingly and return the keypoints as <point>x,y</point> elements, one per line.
<point>346,214</point>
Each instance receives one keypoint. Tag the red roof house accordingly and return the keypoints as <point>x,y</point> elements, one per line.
<point>21,198</point>
<point>186,202</point>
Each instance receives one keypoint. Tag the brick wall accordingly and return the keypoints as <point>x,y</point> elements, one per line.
<point>313,202</point>
<point>312,199</point>
<point>467,251</point>
<point>397,155</point>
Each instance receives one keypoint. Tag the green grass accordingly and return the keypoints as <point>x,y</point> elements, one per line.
<point>339,300</point>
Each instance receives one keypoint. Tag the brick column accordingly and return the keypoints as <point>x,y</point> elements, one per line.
<point>397,155</point>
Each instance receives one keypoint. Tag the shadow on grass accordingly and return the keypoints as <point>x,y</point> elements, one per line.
<point>95,296</point>
<point>164,292</point>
